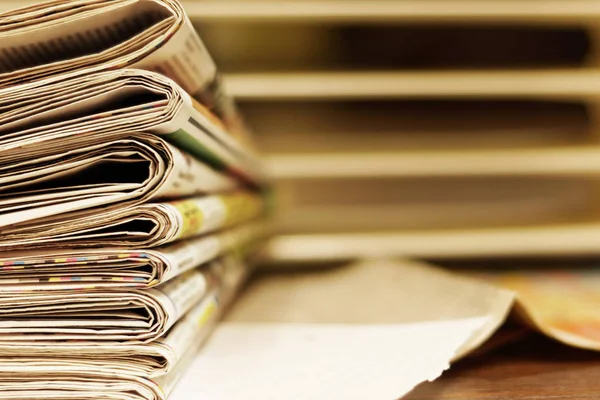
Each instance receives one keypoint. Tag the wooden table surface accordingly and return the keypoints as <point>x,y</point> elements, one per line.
<point>532,368</point>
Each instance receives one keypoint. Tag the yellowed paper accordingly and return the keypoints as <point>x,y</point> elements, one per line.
<point>75,38</point>
<point>139,226</point>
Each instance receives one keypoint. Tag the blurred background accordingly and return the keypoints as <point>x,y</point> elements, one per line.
<point>431,128</point>
<point>427,128</point>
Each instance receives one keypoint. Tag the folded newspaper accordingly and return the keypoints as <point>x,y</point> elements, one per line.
<point>129,191</point>
<point>131,170</point>
<point>144,225</point>
<point>141,315</point>
<point>104,104</point>
<point>131,369</point>
<point>67,38</point>
<point>117,268</point>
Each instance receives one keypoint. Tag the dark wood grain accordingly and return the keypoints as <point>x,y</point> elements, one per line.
<point>533,368</point>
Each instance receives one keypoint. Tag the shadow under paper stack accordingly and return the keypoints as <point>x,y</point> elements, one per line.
<point>127,200</point>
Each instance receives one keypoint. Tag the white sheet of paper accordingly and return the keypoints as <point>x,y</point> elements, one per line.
<point>256,361</point>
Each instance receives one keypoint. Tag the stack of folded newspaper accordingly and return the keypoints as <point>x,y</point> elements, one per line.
<point>127,188</point>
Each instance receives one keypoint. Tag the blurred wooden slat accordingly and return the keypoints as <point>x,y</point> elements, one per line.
<point>293,47</point>
<point>406,126</point>
<point>432,190</point>
<point>456,206</point>
<point>551,240</point>
<point>344,218</point>
<point>563,84</point>
<point>567,161</point>
<point>375,11</point>
<point>413,204</point>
